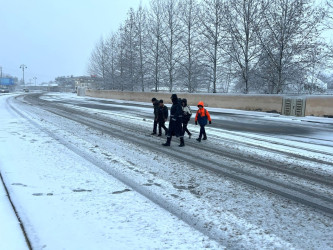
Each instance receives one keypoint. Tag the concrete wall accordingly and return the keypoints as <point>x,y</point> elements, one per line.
<point>319,106</point>
<point>270,103</point>
<point>315,105</point>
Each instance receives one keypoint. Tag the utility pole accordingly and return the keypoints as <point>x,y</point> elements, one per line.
<point>35,78</point>
<point>23,67</point>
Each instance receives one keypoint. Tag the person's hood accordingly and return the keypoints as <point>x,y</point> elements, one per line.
<point>174,96</point>
<point>175,100</point>
<point>201,104</point>
<point>184,101</point>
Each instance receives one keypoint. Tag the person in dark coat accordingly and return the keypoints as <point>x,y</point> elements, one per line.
<point>175,124</point>
<point>162,118</point>
<point>156,107</point>
<point>187,113</point>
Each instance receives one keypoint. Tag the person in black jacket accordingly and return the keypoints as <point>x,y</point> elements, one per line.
<point>156,107</point>
<point>175,124</point>
<point>162,118</point>
<point>187,113</point>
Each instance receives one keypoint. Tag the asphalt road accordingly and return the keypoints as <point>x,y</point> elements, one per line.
<point>263,164</point>
<point>258,124</point>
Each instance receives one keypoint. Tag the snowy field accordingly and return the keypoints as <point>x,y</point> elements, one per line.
<point>77,186</point>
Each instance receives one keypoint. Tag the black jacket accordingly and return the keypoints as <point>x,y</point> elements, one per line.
<point>156,108</point>
<point>163,113</point>
<point>176,112</point>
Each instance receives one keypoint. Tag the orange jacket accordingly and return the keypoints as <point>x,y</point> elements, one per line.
<point>202,112</point>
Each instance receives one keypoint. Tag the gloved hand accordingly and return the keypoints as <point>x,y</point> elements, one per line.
<point>196,123</point>
<point>174,119</point>
<point>210,122</point>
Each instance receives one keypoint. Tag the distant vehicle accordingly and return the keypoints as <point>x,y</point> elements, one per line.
<point>26,90</point>
<point>2,90</point>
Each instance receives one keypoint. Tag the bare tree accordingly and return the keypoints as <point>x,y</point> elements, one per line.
<point>112,48</point>
<point>212,29</point>
<point>170,38</point>
<point>242,16</point>
<point>330,13</point>
<point>120,61</point>
<point>154,40</point>
<point>330,24</point>
<point>99,59</point>
<point>190,22</point>
<point>289,31</point>
<point>141,34</point>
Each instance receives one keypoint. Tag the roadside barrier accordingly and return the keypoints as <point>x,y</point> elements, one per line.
<point>285,105</point>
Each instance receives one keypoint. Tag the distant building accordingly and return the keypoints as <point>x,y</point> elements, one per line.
<point>90,82</point>
<point>71,83</point>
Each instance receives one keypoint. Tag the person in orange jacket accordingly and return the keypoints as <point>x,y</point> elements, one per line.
<point>202,117</point>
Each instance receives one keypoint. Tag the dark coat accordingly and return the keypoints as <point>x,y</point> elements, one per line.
<point>176,117</point>
<point>187,113</point>
<point>156,107</point>
<point>163,114</point>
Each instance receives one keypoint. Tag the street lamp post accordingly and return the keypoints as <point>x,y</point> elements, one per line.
<point>35,78</point>
<point>23,67</point>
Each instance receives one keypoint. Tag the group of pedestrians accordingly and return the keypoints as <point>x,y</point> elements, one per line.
<point>180,115</point>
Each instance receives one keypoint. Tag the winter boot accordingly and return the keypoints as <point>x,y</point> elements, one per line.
<point>205,138</point>
<point>167,142</point>
<point>199,139</point>
<point>189,135</point>
<point>159,135</point>
<point>182,143</point>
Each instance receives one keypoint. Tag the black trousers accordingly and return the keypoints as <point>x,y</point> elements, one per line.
<point>202,132</point>
<point>161,125</point>
<point>185,129</point>
<point>155,126</point>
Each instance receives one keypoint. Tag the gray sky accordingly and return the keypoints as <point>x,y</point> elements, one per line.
<point>55,38</point>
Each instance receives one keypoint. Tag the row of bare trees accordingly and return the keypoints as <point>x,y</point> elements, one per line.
<point>260,46</point>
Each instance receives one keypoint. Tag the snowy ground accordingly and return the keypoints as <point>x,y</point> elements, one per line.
<point>64,181</point>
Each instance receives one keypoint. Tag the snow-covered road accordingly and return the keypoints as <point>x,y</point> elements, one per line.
<point>83,173</point>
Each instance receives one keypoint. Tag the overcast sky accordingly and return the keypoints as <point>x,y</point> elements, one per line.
<point>55,37</point>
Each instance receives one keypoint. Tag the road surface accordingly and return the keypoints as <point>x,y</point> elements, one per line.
<point>253,183</point>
